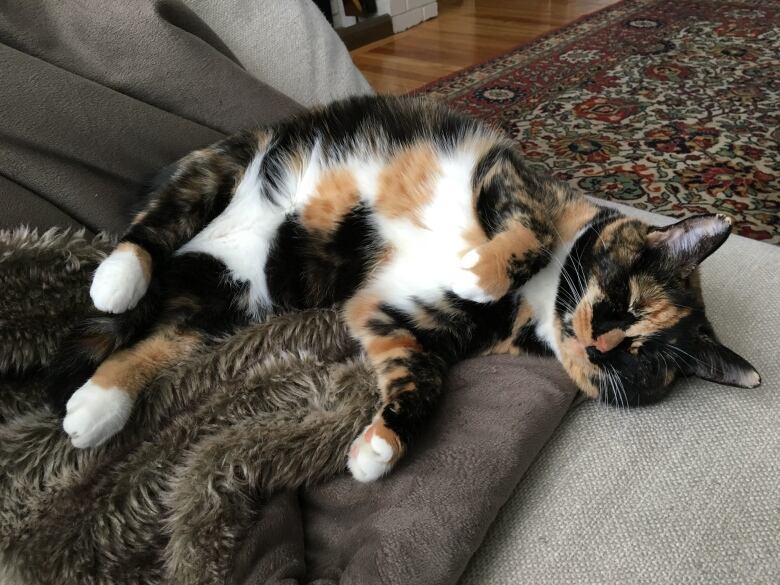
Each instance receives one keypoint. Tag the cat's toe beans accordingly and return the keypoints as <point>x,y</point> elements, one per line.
<point>119,283</point>
<point>370,458</point>
<point>94,414</point>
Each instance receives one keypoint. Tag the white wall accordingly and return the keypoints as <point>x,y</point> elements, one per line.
<point>405,13</point>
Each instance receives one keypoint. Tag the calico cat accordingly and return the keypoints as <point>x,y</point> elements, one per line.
<point>436,239</point>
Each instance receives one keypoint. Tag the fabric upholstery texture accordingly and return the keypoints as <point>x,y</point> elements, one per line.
<point>685,491</point>
<point>86,119</point>
<point>287,45</point>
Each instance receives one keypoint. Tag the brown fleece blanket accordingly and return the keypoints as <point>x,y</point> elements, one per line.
<point>231,468</point>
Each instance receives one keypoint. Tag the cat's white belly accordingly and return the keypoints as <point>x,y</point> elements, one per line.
<point>426,254</point>
<point>241,236</point>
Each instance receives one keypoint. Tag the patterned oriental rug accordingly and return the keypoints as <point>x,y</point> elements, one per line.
<point>667,105</point>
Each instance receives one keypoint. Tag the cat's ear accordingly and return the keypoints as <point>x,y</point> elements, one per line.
<point>684,245</point>
<point>715,362</point>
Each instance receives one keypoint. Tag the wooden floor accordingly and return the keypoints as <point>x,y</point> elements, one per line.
<point>466,32</point>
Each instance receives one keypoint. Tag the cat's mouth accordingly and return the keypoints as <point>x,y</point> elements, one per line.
<point>591,364</point>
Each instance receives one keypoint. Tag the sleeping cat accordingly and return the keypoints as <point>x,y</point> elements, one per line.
<point>434,237</point>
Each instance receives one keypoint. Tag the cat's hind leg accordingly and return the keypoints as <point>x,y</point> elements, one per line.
<point>101,407</point>
<point>409,376</point>
<point>199,302</point>
<point>187,196</point>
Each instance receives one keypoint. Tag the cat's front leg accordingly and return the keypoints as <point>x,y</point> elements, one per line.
<point>410,379</point>
<point>507,261</point>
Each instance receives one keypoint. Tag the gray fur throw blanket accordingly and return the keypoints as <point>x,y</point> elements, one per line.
<point>230,469</point>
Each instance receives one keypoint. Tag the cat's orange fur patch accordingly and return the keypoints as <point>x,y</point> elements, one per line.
<point>661,315</point>
<point>582,322</point>
<point>406,183</point>
<point>659,312</point>
<point>573,217</point>
<point>335,195</point>
<point>360,308</point>
<point>575,362</point>
<point>133,368</point>
<point>474,236</point>
<point>144,259</point>
<point>380,347</point>
<point>492,270</point>
<point>611,230</point>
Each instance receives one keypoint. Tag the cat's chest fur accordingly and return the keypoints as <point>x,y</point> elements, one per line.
<point>541,293</point>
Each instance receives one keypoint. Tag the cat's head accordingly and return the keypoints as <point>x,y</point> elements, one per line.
<point>630,315</point>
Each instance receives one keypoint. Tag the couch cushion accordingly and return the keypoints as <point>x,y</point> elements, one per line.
<point>297,52</point>
<point>682,492</point>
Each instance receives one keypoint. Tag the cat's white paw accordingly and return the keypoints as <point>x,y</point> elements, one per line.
<point>95,414</point>
<point>119,282</point>
<point>465,283</point>
<point>369,457</point>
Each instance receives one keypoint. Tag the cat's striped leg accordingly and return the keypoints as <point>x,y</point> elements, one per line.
<point>506,261</point>
<point>409,378</point>
<point>185,198</point>
<point>200,303</point>
<point>101,407</point>
<point>514,231</point>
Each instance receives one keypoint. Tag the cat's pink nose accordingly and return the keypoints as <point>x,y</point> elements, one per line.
<point>609,340</point>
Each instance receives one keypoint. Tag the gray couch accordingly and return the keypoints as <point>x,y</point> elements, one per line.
<point>683,492</point>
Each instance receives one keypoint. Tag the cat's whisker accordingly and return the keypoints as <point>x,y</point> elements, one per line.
<point>619,379</point>
<point>603,391</point>
<point>664,354</point>
<point>579,274</point>
<point>608,377</point>
<point>564,274</point>
<point>681,351</point>
<point>618,392</point>
<point>598,235</point>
